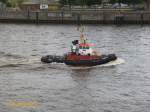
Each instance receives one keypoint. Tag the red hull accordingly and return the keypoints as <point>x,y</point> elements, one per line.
<point>74,57</point>
<point>79,60</point>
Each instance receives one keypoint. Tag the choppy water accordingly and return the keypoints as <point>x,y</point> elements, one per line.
<point>59,88</point>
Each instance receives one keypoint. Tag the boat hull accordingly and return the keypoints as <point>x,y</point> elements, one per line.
<point>92,62</point>
<point>75,60</point>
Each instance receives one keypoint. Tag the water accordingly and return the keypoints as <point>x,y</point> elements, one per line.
<point>113,87</point>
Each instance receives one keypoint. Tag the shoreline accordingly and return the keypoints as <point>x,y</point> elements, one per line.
<point>27,21</point>
<point>77,17</point>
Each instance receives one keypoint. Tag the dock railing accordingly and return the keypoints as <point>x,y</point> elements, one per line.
<point>96,16</point>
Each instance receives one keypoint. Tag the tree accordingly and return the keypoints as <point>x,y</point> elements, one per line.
<point>63,2</point>
<point>133,2</point>
<point>80,2</point>
<point>3,1</point>
<point>93,2</point>
<point>14,3</point>
<point>20,1</point>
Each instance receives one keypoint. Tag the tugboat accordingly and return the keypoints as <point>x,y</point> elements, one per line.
<point>81,54</point>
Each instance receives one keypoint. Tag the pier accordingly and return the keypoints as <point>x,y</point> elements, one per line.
<point>77,17</point>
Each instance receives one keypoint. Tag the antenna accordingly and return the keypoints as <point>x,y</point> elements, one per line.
<point>81,28</point>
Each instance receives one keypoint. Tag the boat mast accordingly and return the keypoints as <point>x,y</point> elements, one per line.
<point>82,36</point>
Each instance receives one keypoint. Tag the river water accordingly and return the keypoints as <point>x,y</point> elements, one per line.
<point>59,88</point>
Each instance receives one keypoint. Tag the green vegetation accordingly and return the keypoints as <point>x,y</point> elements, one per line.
<point>15,3</point>
<point>12,3</point>
<point>3,1</point>
<point>80,2</point>
<point>127,1</point>
<point>93,2</point>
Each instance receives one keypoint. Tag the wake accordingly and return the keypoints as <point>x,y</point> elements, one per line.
<point>7,61</point>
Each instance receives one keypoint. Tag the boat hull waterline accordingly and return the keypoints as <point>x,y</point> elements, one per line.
<point>78,60</point>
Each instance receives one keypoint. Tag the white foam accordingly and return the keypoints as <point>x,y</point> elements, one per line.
<point>112,63</point>
<point>35,61</point>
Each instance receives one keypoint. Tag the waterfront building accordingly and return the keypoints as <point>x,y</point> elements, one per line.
<point>30,6</point>
<point>36,5</point>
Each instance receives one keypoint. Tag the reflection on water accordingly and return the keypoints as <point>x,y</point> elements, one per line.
<point>80,74</point>
<point>113,87</point>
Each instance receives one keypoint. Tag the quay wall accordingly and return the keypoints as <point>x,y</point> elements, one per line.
<point>77,17</point>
